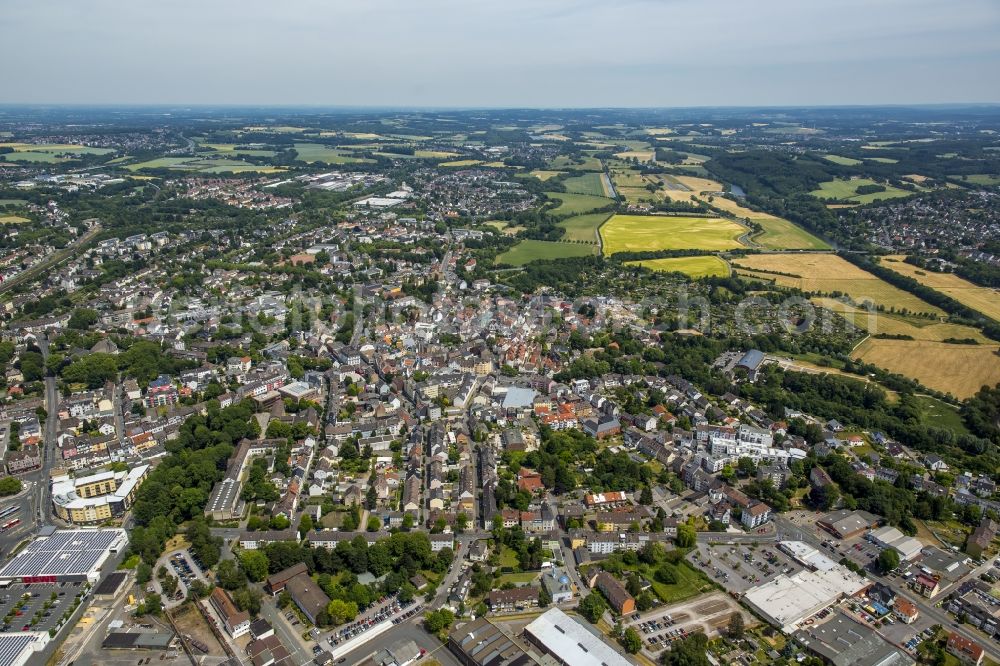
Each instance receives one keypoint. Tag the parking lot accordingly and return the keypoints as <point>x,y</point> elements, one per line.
<point>36,607</point>
<point>663,626</point>
<point>388,609</point>
<point>742,567</point>
<point>181,565</point>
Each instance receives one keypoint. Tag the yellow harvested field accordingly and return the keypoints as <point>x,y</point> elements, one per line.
<point>695,267</point>
<point>642,233</point>
<point>981,299</point>
<point>918,328</point>
<point>641,155</point>
<point>542,174</point>
<point>699,185</point>
<point>829,273</point>
<point>957,369</point>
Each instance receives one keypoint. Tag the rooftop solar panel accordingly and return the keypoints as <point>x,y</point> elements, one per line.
<point>65,552</point>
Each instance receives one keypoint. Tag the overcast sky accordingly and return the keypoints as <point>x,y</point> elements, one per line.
<point>500,53</point>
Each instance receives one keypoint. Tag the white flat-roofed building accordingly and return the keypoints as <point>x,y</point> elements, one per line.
<point>807,556</point>
<point>569,642</point>
<point>787,601</point>
<point>890,537</point>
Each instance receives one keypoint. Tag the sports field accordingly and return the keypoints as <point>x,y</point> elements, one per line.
<point>981,299</point>
<point>588,183</point>
<point>639,233</point>
<point>829,273</point>
<point>847,189</point>
<point>530,250</point>
<point>695,267</point>
<point>583,228</point>
<point>575,204</point>
<point>957,369</point>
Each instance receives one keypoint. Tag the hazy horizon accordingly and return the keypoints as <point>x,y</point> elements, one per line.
<point>547,54</point>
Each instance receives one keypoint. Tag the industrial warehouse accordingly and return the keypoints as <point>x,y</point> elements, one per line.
<point>59,556</point>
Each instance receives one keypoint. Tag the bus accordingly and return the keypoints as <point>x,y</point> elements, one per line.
<point>9,511</point>
<point>10,524</point>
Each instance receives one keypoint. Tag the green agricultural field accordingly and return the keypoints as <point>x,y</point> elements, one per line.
<point>694,267</point>
<point>160,163</point>
<point>12,202</point>
<point>461,163</point>
<point>234,149</point>
<point>55,149</point>
<point>584,163</point>
<point>883,160</point>
<point>640,233</point>
<point>843,161</point>
<point>318,152</point>
<point>588,183</point>
<point>780,234</point>
<point>202,165</point>
<point>842,189</point>
<point>40,158</point>
<point>979,179</point>
<point>583,228</point>
<point>575,204</point>
<point>543,175</point>
<point>12,219</point>
<point>531,250</point>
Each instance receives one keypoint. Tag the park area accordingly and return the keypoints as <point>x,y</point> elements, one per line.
<point>650,233</point>
<point>694,267</point>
